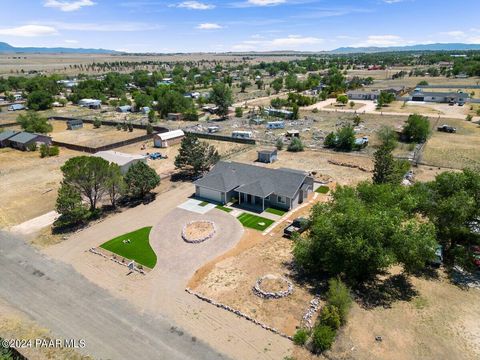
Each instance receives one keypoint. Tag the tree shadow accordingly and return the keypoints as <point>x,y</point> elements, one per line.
<point>385,292</point>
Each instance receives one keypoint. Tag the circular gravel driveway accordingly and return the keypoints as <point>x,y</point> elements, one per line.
<point>175,256</point>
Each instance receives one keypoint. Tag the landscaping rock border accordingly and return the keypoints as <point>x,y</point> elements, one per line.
<point>112,258</point>
<point>353,166</point>
<point>237,312</point>
<point>199,240</point>
<point>311,311</point>
<point>257,288</point>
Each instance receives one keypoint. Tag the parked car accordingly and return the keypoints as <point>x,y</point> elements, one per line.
<point>437,262</point>
<point>447,129</point>
<point>475,255</point>
<point>298,225</point>
<point>156,156</point>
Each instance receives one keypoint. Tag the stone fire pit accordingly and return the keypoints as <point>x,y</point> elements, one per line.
<point>272,287</point>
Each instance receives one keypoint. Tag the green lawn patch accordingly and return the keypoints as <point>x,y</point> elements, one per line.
<point>322,190</point>
<point>274,211</point>
<point>137,249</point>
<point>204,203</point>
<point>223,208</point>
<point>254,222</point>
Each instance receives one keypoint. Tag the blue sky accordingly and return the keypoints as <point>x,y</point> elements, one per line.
<point>237,25</point>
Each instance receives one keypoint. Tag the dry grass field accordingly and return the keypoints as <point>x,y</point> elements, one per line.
<point>454,150</point>
<point>409,108</point>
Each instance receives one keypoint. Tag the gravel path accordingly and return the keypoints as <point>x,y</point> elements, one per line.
<point>57,297</point>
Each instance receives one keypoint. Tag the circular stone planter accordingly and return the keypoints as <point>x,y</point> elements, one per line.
<point>260,287</point>
<point>198,231</point>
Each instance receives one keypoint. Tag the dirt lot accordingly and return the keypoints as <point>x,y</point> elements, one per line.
<point>89,136</point>
<point>28,184</point>
<point>409,108</point>
<point>454,150</point>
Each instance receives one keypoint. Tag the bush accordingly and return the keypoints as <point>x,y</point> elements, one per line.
<point>417,129</point>
<point>330,316</point>
<point>238,112</point>
<point>469,117</point>
<point>279,144</point>
<point>54,151</point>
<point>315,111</point>
<point>149,129</point>
<point>338,296</point>
<point>301,337</point>
<point>295,145</point>
<point>97,123</point>
<point>330,141</point>
<point>323,337</point>
<point>32,147</point>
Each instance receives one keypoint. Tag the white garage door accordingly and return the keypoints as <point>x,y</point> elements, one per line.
<point>210,194</point>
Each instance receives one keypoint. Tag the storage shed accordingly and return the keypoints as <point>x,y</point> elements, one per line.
<point>267,155</point>
<point>169,138</point>
<point>4,136</point>
<point>24,140</point>
<point>74,124</point>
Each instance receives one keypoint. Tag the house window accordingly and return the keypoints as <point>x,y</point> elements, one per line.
<point>281,199</point>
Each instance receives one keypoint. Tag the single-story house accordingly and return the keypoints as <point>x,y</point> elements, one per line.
<point>24,140</point>
<point>74,124</point>
<point>16,107</point>
<point>121,159</point>
<point>254,186</point>
<point>363,94</point>
<point>267,155</point>
<point>169,138</point>
<point>439,97</point>
<point>4,136</point>
<point>124,108</point>
<point>90,103</point>
<point>174,116</point>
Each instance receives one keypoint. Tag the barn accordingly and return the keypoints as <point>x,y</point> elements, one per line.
<point>121,159</point>
<point>167,139</point>
<point>74,124</point>
<point>24,140</point>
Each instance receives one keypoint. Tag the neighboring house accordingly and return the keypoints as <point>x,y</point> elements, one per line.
<point>4,136</point>
<point>121,159</point>
<point>440,97</point>
<point>363,94</point>
<point>267,156</point>
<point>90,103</point>
<point>74,124</point>
<point>169,138</point>
<point>16,107</point>
<point>24,140</point>
<point>174,116</point>
<point>254,186</point>
<point>239,134</point>
<point>124,108</point>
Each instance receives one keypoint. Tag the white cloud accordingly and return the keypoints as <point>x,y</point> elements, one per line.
<point>265,2</point>
<point>291,42</point>
<point>71,41</point>
<point>29,31</point>
<point>195,5</point>
<point>455,33</point>
<point>384,40</point>
<point>208,26</point>
<point>68,5</point>
<point>107,27</point>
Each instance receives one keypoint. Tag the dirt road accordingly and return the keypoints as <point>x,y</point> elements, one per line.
<point>57,297</point>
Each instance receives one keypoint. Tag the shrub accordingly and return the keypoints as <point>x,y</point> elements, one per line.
<point>338,295</point>
<point>478,112</point>
<point>279,144</point>
<point>330,141</point>
<point>32,147</point>
<point>97,123</point>
<point>238,112</point>
<point>54,151</point>
<point>301,337</point>
<point>149,129</point>
<point>469,117</point>
<point>330,316</point>
<point>315,111</point>
<point>295,145</point>
<point>323,337</point>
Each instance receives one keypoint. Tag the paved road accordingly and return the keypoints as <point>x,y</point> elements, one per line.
<point>59,298</point>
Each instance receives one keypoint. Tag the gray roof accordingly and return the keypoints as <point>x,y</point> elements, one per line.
<point>267,151</point>
<point>440,94</point>
<point>23,137</point>
<point>251,179</point>
<point>4,135</point>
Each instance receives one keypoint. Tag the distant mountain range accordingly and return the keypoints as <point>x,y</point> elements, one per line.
<point>7,48</point>
<point>426,47</point>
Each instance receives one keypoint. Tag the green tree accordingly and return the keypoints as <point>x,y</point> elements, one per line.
<point>244,85</point>
<point>330,316</point>
<point>141,179</point>
<point>39,100</point>
<point>195,156</point>
<point>88,176</point>
<point>295,111</point>
<point>277,85</point>
<point>352,104</point>
<point>279,144</point>
<point>417,129</point>
<point>330,141</point>
<point>70,206</point>
<point>388,137</point>
<point>149,129</point>
<point>115,184</point>
<point>295,145</point>
<point>221,96</point>
<point>34,123</point>
<point>387,169</point>
<point>345,138</point>
<point>151,116</point>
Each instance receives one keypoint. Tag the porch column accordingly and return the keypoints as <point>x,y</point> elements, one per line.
<point>239,198</point>
<point>263,204</point>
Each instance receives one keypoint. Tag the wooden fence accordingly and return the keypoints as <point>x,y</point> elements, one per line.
<point>222,138</point>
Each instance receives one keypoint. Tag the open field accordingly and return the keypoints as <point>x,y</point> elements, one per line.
<point>454,150</point>
<point>358,106</point>
<point>412,82</point>
<point>410,108</point>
